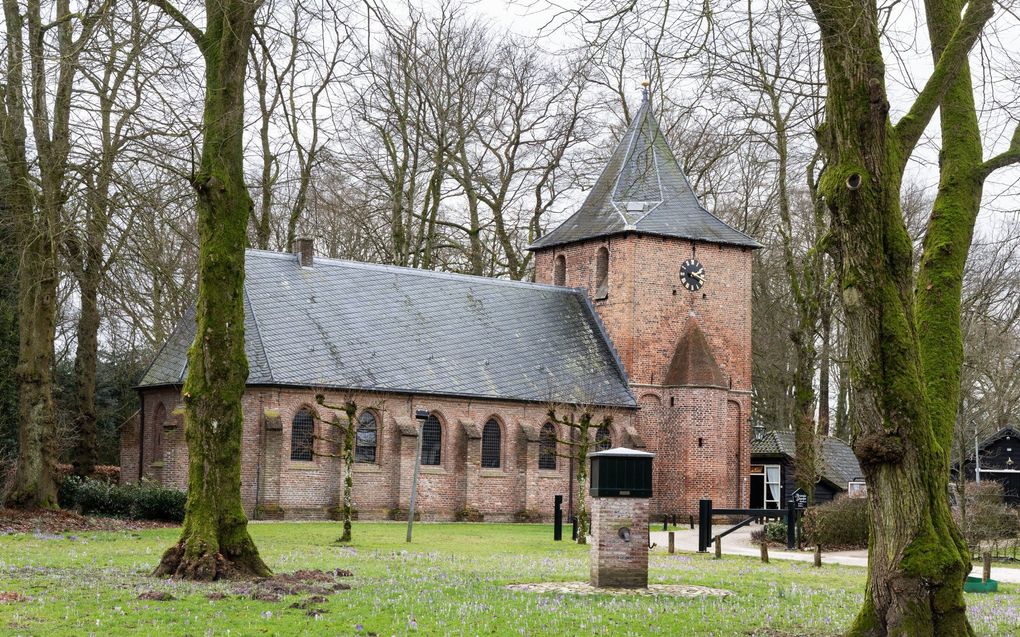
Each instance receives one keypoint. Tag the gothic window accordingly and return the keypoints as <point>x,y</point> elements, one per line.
<point>547,447</point>
<point>431,441</point>
<point>602,273</point>
<point>302,431</point>
<point>366,438</point>
<point>603,439</point>
<point>560,271</point>
<point>491,443</point>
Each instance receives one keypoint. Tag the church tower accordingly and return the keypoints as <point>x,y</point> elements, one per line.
<point>672,284</point>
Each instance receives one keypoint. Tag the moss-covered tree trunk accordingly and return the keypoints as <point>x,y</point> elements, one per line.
<point>8,323</point>
<point>917,561</point>
<point>36,202</point>
<point>215,541</point>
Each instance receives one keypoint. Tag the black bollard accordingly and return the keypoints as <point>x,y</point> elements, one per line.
<point>791,524</point>
<point>704,525</point>
<point>665,522</point>
<point>573,525</point>
<point>558,518</point>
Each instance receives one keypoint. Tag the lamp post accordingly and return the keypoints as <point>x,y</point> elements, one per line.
<point>421,415</point>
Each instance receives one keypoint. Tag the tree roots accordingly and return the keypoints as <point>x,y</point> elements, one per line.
<point>207,566</point>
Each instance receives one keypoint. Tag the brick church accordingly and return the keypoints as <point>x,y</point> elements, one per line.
<point>641,311</point>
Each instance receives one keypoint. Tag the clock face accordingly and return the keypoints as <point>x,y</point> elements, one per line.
<point>692,275</point>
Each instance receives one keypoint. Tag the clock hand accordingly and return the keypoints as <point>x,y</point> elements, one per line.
<point>698,276</point>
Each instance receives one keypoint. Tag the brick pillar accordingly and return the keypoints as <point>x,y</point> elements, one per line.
<point>472,491</point>
<point>615,561</point>
<point>407,451</point>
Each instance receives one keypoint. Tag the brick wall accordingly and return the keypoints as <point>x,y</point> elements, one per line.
<point>647,308</point>
<point>700,434</point>
<point>295,489</point>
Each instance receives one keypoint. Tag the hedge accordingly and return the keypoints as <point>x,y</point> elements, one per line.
<point>840,524</point>
<point>145,500</point>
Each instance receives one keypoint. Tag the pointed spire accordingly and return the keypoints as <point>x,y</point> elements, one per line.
<point>643,189</point>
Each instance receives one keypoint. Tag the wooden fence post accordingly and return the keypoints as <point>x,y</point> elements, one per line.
<point>765,552</point>
<point>986,572</point>
<point>718,548</point>
<point>818,555</point>
<point>672,541</point>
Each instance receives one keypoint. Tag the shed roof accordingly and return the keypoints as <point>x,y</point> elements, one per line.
<point>342,324</point>
<point>642,189</point>
<point>838,463</point>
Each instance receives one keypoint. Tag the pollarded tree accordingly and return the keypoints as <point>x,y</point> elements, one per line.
<point>585,432</point>
<point>348,430</point>
<point>215,541</point>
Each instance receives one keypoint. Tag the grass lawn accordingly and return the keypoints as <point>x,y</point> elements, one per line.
<point>448,582</point>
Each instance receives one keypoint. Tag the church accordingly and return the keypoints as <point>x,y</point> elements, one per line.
<point>640,312</point>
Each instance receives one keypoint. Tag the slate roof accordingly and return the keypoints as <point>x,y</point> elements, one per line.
<point>838,463</point>
<point>343,324</point>
<point>642,189</point>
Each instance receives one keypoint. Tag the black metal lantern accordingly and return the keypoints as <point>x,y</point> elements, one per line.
<point>621,473</point>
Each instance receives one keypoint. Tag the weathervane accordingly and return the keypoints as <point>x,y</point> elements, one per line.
<point>644,91</point>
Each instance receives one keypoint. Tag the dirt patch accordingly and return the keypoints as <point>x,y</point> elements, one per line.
<point>214,597</point>
<point>156,596</point>
<point>10,597</point>
<point>304,582</point>
<point>49,522</point>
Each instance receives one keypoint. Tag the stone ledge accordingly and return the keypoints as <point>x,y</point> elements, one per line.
<point>366,467</point>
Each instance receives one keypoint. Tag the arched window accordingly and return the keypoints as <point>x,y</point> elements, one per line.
<point>547,447</point>
<point>302,430</point>
<point>602,273</point>
<point>560,271</point>
<point>603,439</point>
<point>366,438</point>
<point>431,441</point>
<point>491,443</point>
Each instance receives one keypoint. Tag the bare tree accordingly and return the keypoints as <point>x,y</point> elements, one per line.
<point>36,202</point>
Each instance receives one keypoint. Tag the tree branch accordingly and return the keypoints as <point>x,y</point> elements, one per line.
<point>1008,158</point>
<point>953,58</point>
<point>182,20</point>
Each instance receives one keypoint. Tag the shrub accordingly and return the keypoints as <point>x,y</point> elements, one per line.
<point>984,516</point>
<point>772,532</point>
<point>840,524</point>
<point>153,501</point>
<point>145,500</point>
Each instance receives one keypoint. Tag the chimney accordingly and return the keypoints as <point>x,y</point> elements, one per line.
<point>304,248</point>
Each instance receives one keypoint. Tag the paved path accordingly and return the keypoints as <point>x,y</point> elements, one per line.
<point>739,543</point>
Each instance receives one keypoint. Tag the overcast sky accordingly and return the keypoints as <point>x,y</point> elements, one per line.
<point>906,72</point>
